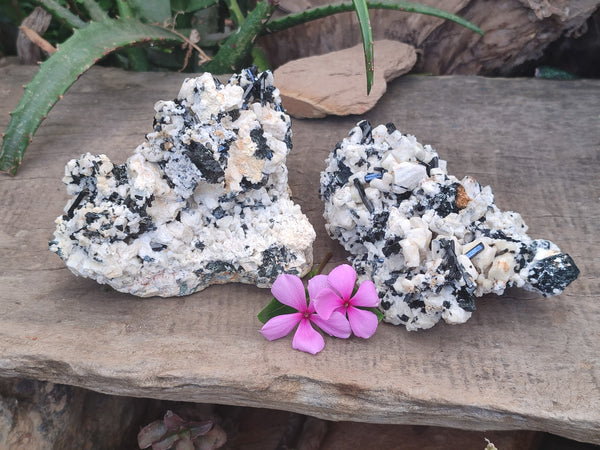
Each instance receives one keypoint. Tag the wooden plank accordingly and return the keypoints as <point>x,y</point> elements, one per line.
<point>521,361</point>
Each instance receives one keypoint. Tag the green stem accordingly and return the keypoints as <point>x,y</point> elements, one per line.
<point>324,11</point>
<point>62,13</point>
<point>236,12</point>
<point>259,59</point>
<point>138,61</point>
<point>94,10</point>
<point>235,52</point>
<point>362,12</point>
<point>124,9</point>
<point>324,263</point>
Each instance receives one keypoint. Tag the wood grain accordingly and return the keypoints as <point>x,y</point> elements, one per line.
<point>516,31</point>
<point>521,361</point>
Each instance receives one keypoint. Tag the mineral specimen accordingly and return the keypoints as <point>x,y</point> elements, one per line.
<point>430,242</point>
<point>203,200</point>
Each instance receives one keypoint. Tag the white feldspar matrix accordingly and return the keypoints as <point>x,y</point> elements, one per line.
<point>430,242</point>
<point>204,200</point>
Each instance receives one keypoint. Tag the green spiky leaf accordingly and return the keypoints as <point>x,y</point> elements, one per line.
<point>191,5</point>
<point>235,12</point>
<point>236,50</point>
<point>362,12</point>
<point>259,59</point>
<point>156,11</point>
<point>334,8</point>
<point>361,8</point>
<point>76,55</point>
<point>135,55</point>
<point>62,13</point>
<point>94,10</point>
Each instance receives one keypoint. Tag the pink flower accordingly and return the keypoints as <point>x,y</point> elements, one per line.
<point>289,290</point>
<point>335,295</point>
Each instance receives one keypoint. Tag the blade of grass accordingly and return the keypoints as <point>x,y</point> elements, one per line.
<point>362,12</point>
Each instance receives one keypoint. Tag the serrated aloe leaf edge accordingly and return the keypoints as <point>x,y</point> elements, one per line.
<point>73,57</point>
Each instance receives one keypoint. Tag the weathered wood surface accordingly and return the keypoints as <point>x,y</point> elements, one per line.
<point>516,31</point>
<point>521,362</point>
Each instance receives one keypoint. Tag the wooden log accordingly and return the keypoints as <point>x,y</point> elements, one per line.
<point>521,362</point>
<point>29,42</point>
<point>515,31</point>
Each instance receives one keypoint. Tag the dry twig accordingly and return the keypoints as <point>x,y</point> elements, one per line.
<point>34,37</point>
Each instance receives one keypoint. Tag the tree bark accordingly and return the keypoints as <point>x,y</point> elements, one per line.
<point>515,31</point>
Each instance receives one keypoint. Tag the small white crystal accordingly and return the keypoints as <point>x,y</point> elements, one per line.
<point>203,200</point>
<point>430,242</point>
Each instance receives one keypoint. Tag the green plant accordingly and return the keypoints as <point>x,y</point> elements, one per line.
<point>112,27</point>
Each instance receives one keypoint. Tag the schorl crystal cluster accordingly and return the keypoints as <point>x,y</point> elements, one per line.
<point>430,242</point>
<point>203,200</point>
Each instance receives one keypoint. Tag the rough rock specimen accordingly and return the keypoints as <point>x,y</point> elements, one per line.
<point>430,242</point>
<point>203,200</point>
<point>336,84</point>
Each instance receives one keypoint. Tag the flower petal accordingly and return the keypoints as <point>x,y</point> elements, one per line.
<point>337,325</point>
<point>316,284</point>
<point>280,326</point>
<point>289,290</point>
<point>366,295</point>
<point>327,302</point>
<point>342,280</point>
<point>307,339</point>
<point>363,323</point>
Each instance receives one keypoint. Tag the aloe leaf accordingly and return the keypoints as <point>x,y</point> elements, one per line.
<point>62,13</point>
<point>201,4</point>
<point>259,59</point>
<point>94,10</point>
<point>156,11</point>
<point>191,5</point>
<point>362,12</point>
<point>236,49</point>
<point>135,55</point>
<point>235,12</point>
<point>73,57</point>
<point>324,11</point>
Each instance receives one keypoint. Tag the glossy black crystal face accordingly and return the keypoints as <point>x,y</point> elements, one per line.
<point>553,274</point>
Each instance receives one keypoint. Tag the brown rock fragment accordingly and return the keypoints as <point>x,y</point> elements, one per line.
<point>462,199</point>
<point>335,83</point>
